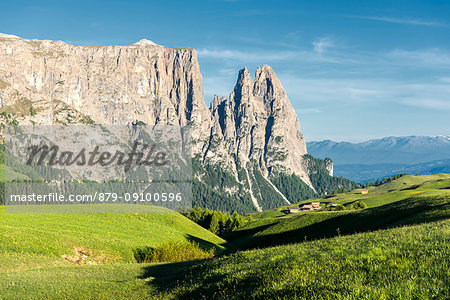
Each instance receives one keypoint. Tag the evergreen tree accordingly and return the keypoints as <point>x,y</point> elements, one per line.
<point>214,225</point>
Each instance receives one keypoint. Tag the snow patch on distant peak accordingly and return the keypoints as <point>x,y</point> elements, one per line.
<point>8,36</point>
<point>145,42</point>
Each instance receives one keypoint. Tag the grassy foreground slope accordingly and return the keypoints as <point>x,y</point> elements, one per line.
<point>420,199</point>
<point>401,263</point>
<point>410,262</point>
<point>35,240</point>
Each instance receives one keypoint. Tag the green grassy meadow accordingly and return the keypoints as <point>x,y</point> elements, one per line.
<point>409,262</point>
<point>402,188</point>
<point>420,199</point>
<point>403,263</point>
<point>397,248</point>
<point>110,236</point>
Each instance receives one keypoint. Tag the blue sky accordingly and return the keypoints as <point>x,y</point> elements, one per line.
<point>353,70</point>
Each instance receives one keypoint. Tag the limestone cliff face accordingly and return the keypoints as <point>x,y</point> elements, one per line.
<point>50,82</point>
<point>111,84</point>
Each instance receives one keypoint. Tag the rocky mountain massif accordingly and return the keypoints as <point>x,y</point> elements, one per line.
<point>249,152</point>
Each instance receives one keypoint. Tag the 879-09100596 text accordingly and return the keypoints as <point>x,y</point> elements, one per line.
<point>100,197</point>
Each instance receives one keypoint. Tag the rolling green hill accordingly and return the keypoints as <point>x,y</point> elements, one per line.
<point>28,241</point>
<point>401,263</point>
<point>408,200</point>
<point>329,254</point>
<point>394,190</point>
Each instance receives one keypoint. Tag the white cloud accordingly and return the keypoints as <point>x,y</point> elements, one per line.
<point>437,104</point>
<point>359,93</point>
<point>322,45</point>
<point>325,51</point>
<point>405,21</point>
<point>249,56</point>
<point>427,57</point>
<point>310,110</point>
<point>264,57</point>
<point>337,91</point>
<point>356,78</point>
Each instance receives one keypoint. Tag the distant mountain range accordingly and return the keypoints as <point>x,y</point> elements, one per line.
<point>374,159</point>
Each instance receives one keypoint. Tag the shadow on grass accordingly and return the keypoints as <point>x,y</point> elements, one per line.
<point>413,187</point>
<point>191,280</point>
<point>166,276</point>
<point>205,245</point>
<point>245,232</point>
<point>236,239</point>
<point>405,212</point>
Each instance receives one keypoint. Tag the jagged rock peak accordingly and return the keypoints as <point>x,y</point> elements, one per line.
<point>244,77</point>
<point>265,71</point>
<point>267,84</point>
<point>216,102</point>
<point>260,125</point>
<point>266,68</point>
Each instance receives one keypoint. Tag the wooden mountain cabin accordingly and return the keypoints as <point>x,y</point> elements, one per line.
<point>364,191</point>
<point>312,206</point>
<point>307,207</point>
<point>316,205</point>
<point>293,209</point>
